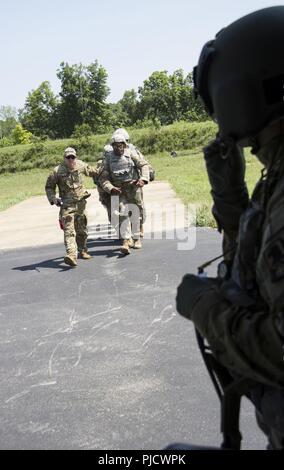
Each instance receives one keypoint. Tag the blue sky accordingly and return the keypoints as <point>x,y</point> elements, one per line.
<point>131,39</point>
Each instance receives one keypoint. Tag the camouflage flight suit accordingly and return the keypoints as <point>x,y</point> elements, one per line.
<point>73,195</point>
<point>122,171</point>
<point>243,318</point>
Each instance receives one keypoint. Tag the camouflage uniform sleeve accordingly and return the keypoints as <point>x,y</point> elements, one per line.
<point>90,171</point>
<point>104,177</point>
<point>227,214</point>
<point>135,151</point>
<point>243,340</point>
<point>142,165</point>
<point>50,186</point>
<point>250,340</point>
<point>228,190</point>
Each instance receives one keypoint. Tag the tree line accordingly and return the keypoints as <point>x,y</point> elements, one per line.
<point>81,107</point>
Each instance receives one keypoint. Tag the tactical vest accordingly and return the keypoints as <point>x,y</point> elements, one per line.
<point>135,150</point>
<point>71,183</point>
<point>122,168</point>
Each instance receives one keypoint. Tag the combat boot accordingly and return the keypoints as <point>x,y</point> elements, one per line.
<point>137,244</point>
<point>70,260</point>
<point>130,243</point>
<point>84,255</point>
<point>125,247</point>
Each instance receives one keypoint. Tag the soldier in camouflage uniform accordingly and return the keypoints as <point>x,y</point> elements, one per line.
<point>135,151</point>
<point>68,177</point>
<point>104,197</point>
<point>241,313</point>
<point>121,177</point>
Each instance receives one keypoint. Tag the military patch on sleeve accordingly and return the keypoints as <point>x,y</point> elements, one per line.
<point>275,260</point>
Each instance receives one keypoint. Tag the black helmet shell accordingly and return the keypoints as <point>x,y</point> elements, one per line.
<point>240,74</point>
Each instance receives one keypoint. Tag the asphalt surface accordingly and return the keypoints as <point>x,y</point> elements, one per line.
<point>97,358</point>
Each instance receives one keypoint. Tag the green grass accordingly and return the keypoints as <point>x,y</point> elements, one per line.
<point>16,187</point>
<point>186,174</point>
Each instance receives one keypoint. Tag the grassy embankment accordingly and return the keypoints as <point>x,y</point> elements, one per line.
<point>186,173</point>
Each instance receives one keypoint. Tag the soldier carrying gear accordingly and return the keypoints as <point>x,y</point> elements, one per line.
<point>68,177</point>
<point>124,174</point>
<point>139,154</point>
<point>134,149</point>
<point>104,197</point>
<point>240,77</point>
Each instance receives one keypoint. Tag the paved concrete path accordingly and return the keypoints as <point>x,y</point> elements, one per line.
<point>97,358</point>
<point>34,222</point>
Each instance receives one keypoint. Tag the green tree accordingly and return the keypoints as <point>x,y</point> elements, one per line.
<point>115,117</point>
<point>8,120</point>
<point>154,98</point>
<point>73,91</point>
<point>38,114</point>
<point>8,112</point>
<point>129,106</point>
<point>83,97</point>
<point>192,109</point>
<point>169,98</point>
<point>95,111</point>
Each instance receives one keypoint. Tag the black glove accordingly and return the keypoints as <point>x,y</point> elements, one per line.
<point>226,171</point>
<point>57,202</point>
<point>191,289</point>
<point>225,166</point>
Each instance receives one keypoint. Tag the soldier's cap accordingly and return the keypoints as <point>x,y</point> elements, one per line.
<point>118,138</point>
<point>70,151</point>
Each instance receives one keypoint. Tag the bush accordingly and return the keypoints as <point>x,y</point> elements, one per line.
<point>19,135</point>
<point>83,130</point>
<point>47,154</point>
<point>5,142</point>
<point>182,135</point>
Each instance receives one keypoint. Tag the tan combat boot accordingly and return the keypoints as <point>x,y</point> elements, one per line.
<point>125,247</point>
<point>70,260</point>
<point>130,243</point>
<point>84,255</point>
<point>137,244</point>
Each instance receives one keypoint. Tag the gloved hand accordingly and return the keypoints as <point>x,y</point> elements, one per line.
<point>225,166</point>
<point>191,289</point>
<point>87,194</point>
<point>140,183</point>
<point>57,201</point>
<point>116,190</point>
<point>226,171</point>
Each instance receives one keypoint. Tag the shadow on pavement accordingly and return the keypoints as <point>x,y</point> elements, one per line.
<point>113,251</point>
<point>58,263</point>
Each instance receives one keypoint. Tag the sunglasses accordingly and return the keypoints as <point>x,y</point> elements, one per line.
<point>70,157</point>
